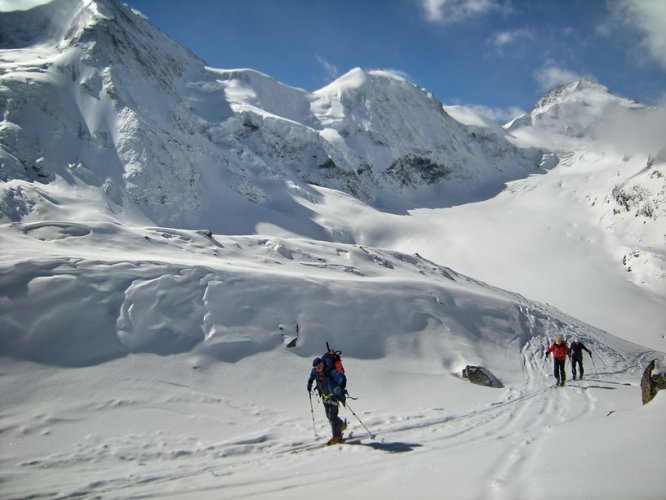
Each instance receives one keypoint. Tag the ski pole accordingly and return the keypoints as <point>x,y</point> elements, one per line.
<point>314,426</point>
<point>372,436</point>
<point>595,367</point>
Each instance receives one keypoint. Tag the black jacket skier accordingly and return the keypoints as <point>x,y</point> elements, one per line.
<point>577,349</point>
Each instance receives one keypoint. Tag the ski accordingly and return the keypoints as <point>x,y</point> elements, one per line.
<point>347,440</point>
<point>351,439</point>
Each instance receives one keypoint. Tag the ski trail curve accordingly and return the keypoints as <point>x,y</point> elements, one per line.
<point>530,425</point>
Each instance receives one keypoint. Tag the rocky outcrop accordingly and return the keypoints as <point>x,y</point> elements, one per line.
<point>481,376</point>
<point>651,383</point>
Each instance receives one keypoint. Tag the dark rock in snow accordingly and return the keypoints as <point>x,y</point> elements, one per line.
<point>481,376</point>
<point>652,384</point>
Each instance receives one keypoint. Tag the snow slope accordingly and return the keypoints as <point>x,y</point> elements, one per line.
<point>154,362</point>
<point>169,230</point>
<point>566,238</point>
<point>588,236</point>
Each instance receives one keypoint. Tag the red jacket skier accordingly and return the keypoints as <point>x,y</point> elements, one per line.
<point>560,351</point>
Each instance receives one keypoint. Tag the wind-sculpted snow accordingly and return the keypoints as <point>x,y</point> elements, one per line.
<point>84,294</point>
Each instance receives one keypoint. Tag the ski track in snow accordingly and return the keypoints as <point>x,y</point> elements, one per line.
<point>156,464</point>
<point>205,442</point>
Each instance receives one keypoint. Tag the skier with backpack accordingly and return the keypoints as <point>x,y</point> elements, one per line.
<point>331,382</point>
<point>560,351</point>
<point>577,349</point>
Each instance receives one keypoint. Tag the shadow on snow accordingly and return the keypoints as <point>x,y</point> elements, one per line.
<point>395,447</point>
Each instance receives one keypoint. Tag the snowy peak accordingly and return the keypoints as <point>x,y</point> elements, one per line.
<point>358,78</point>
<point>43,24</point>
<point>253,91</point>
<point>587,93</point>
<point>379,123</point>
<point>363,92</point>
<point>98,33</point>
<point>59,22</point>
<point>576,110</point>
<point>147,122</point>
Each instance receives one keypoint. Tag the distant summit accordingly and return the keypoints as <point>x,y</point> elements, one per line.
<point>577,91</point>
<point>577,109</point>
<point>50,23</point>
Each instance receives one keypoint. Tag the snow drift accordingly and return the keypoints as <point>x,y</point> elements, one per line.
<point>68,304</point>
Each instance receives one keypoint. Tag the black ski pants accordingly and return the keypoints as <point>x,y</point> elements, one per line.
<point>579,362</point>
<point>332,415</point>
<point>558,370</point>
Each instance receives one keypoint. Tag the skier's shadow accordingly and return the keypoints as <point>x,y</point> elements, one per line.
<point>395,447</point>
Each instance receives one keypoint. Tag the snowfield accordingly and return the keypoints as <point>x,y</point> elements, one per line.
<point>154,362</point>
<point>178,243</point>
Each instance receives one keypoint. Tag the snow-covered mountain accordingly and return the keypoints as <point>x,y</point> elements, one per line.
<point>584,115</point>
<point>575,110</point>
<point>179,241</point>
<point>620,146</point>
<point>95,95</point>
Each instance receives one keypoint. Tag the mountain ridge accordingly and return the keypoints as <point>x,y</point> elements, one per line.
<point>167,127</point>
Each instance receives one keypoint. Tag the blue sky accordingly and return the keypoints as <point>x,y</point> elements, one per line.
<point>499,55</point>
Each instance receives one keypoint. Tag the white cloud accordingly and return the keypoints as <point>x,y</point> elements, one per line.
<point>500,115</point>
<point>474,115</point>
<point>649,17</point>
<point>550,76</point>
<point>450,11</point>
<point>503,38</point>
<point>331,71</point>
